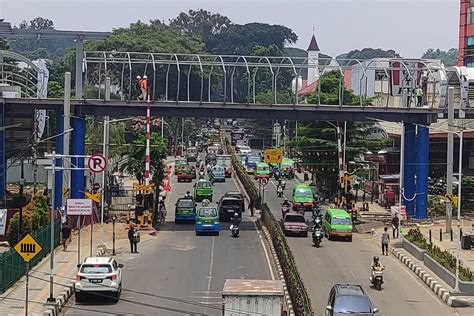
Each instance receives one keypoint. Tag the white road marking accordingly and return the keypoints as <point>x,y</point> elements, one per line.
<point>269,263</point>
<point>352,273</point>
<point>211,265</point>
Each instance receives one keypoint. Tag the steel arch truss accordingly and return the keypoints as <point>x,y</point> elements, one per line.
<point>240,79</point>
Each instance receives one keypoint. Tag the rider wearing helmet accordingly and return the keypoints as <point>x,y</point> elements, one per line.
<point>376,265</point>
<point>188,194</point>
<point>286,203</point>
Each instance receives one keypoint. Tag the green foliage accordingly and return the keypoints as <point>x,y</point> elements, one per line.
<point>282,97</point>
<point>448,58</point>
<point>4,44</point>
<point>240,39</point>
<point>467,194</point>
<point>55,90</point>
<point>443,257</point>
<point>34,216</point>
<point>34,48</point>
<point>201,23</point>
<point>436,205</point>
<point>154,37</point>
<point>369,53</point>
<point>136,157</point>
<point>95,135</point>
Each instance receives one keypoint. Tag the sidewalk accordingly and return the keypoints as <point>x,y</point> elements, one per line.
<point>466,256</point>
<point>12,302</point>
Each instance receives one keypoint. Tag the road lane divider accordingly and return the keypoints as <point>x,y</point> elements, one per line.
<point>299,298</point>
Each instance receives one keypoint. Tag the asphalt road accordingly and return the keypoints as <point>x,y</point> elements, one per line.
<point>349,262</point>
<point>180,273</point>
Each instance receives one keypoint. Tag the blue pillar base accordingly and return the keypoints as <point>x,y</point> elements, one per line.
<point>78,148</point>
<point>409,168</point>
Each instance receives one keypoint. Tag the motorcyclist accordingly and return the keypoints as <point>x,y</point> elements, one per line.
<point>286,203</point>
<point>317,213</point>
<point>376,265</point>
<point>235,219</point>
<point>187,195</point>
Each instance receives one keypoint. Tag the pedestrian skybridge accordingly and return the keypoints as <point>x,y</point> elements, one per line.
<point>247,86</point>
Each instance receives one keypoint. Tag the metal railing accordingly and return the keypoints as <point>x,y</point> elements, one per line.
<point>12,266</point>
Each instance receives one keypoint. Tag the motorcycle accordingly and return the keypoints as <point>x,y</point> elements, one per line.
<point>279,191</point>
<point>318,233</point>
<point>284,209</point>
<point>283,184</point>
<point>377,279</point>
<point>235,227</point>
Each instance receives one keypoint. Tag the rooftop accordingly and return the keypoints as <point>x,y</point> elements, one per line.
<point>313,45</point>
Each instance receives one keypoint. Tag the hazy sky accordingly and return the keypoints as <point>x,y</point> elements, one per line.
<point>407,26</point>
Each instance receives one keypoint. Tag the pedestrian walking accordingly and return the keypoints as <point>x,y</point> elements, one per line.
<point>395,224</point>
<point>419,96</point>
<point>134,238</point>
<point>66,235</point>
<point>162,212</point>
<point>251,206</point>
<point>385,241</point>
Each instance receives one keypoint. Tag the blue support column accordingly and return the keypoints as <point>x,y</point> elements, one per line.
<point>409,168</point>
<point>3,169</point>
<point>422,154</point>
<point>78,148</point>
<point>59,149</point>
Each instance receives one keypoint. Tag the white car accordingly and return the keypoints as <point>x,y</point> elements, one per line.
<point>245,150</point>
<point>99,275</point>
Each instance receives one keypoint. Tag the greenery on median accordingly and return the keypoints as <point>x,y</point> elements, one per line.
<point>294,283</point>
<point>443,257</point>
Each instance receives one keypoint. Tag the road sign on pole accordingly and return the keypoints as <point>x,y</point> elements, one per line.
<point>263,181</point>
<point>27,248</point>
<point>97,163</point>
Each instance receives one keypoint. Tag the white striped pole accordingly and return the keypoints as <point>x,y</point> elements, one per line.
<point>147,152</point>
<point>340,156</point>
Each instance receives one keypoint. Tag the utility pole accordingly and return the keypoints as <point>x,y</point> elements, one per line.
<point>450,161</point>
<point>22,183</point>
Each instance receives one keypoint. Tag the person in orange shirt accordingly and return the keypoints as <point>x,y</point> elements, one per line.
<point>143,88</point>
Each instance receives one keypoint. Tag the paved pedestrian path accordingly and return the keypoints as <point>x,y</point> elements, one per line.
<point>466,256</point>
<point>12,302</point>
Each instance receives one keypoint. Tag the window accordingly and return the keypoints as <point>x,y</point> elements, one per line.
<point>470,15</point>
<point>96,268</point>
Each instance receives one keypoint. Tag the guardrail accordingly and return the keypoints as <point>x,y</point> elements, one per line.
<point>298,294</point>
<point>12,266</point>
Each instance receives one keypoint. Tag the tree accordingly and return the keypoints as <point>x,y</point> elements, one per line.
<point>201,23</point>
<point>448,58</point>
<point>136,157</point>
<point>240,39</point>
<point>369,53</point>
<point>4,44</point>
<point>329,85</point>
<point>38,48</point>
<point>317,141</point>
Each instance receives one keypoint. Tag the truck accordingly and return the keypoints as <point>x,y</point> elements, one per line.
<point>252,297</point>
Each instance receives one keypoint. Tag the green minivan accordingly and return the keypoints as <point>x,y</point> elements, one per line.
<point>203,190</point>
<point>337,223</point>
<point>302,197</point>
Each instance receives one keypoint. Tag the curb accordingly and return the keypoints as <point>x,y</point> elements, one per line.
<point>288,302</point>
<point>434,285</point>
<point>63,298</point>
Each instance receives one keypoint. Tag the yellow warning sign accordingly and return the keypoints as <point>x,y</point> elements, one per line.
<point>28,248</point>
<point>274,155</point>
<point>144,187</point>
<point>66,191</point>
<point>93,196</point>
